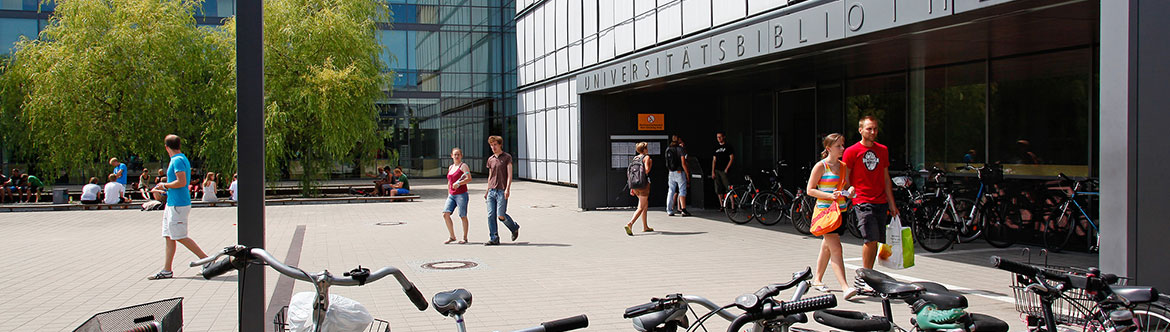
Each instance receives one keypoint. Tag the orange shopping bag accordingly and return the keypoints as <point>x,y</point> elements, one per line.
<point>826,220</point>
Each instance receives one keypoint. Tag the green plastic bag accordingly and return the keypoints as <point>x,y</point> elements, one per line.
<point>898,250</point>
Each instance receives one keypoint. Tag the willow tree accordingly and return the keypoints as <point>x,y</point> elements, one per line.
<point>111,78</point>
<point>322,78</point>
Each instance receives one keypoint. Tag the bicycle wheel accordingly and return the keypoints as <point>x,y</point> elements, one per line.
<point>996,231</point>
<point>969,225</point>
<point>1059,228</point>
<point>801,214</point>
<point>737,205</point>
<point>769,208</point>
<point>1153,316</point>
<point>930,232</point>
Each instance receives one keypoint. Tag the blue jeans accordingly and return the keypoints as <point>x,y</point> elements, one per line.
<point>453,201</point>
<point>497,206</point>
<point>678,184</point>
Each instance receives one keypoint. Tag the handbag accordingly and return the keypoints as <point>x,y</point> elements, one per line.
<point>826,220</point>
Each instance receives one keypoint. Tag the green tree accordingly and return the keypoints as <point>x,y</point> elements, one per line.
<point>111,78</point>
<point>322,79</point>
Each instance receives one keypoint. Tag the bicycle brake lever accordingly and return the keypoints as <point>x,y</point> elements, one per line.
<point>360,274</point>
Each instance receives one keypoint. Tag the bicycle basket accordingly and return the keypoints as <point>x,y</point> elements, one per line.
<point>1072,308</point>
<point>280,322</point>
<point>168,312</point>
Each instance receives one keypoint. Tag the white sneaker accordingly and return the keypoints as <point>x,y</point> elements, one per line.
<point>850,293</point>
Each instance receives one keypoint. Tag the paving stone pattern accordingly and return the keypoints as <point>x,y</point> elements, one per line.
<point>66,266</point>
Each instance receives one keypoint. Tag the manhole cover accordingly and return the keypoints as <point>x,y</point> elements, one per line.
<point>449,265</point>
<point>391,223</point>
<point>544,206</point>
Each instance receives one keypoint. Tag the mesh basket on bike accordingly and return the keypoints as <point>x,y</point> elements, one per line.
<point>169,312</point>
<point>1072,308</point>
<point>280,322</point>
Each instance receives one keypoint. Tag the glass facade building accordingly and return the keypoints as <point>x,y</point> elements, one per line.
<point>454,65</point>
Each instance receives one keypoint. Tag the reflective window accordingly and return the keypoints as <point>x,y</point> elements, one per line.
<point>955,119</point>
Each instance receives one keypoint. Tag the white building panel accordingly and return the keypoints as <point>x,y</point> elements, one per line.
<point>760,6</point>
<point>669,19</point>
<point>521,59</point>
<point>550,38</point>
<point>541,133</point>
<point>645,23</point>
<point>605,30</point>
<point>523,101</point>
<point>623,16</point>
<point>696,15</point>
<point>563,136</point>
<point>574,131</point>
<point>574,17</point>
<point>727,11</point>
<point>538,40</point>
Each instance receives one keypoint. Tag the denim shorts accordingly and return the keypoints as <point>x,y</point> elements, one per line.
<point>459,200</point>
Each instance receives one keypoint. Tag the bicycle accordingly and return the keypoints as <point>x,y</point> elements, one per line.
<point>454,304</point>
<point>1061,229</point>
<point>935,308</point>
<point>946,219</point>
<point>987,213</point>
<point>760,309</point>
<point>801,209</point>
<point>1096,301</point>
<point>241,256</point>
<point>772,206</point>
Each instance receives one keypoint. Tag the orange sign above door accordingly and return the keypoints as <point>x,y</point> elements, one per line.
<point>651,121</point>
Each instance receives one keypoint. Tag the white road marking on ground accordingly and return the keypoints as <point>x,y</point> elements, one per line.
<point>960,289</point>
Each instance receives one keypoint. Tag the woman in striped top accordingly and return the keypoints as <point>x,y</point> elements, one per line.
<point>828,177</point>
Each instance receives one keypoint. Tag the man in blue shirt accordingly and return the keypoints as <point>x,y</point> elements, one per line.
<point>174,228</point>
<point>119,170</point>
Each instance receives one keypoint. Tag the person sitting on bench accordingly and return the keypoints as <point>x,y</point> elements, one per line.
<point>402,186</point>
<point>89,193</point>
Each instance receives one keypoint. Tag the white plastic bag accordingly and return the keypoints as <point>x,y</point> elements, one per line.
<point>898,250</point>
<point>344,314</point>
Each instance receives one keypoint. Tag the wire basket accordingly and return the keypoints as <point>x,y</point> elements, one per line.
<point>1073,307</point>
<point>167,312</point>
<point>280,323</point>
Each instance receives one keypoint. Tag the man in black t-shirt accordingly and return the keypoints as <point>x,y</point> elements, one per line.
<point>676,165</point>
<point>721,165</point>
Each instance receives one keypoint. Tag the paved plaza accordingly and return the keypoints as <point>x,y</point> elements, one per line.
<point>66,266</point>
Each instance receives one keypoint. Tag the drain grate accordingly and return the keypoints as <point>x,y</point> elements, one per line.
<point>390,223</point>
<point>449,265</point>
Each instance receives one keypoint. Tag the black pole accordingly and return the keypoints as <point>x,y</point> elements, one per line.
<point>250,151</point>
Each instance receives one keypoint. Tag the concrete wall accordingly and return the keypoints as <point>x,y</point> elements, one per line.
<point>1134,150</point>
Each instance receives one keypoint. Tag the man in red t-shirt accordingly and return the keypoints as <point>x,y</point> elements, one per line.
<point>869,174</point>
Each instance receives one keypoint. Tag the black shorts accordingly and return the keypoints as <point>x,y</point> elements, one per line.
<point>872,220</point>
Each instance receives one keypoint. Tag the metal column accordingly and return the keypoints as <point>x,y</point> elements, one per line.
<point>250,152</point>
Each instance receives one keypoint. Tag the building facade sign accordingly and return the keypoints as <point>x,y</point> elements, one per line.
<point>655,121</point>
<point>782,31</point>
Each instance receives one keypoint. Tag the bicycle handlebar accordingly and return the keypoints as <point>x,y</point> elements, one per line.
<point>560,325</point>
<point>771,311</point>
<point>242,256</point>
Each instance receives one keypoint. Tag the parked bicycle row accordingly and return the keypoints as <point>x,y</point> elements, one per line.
<point>945,208</point>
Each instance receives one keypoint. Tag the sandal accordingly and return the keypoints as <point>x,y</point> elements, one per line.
<point>449,241</point>
<point>820,287</point>
<point>628,231</point>
<point>463,242</point>
<point>647,230</point>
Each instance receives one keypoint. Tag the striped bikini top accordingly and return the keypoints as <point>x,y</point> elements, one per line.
<point>828,183</point>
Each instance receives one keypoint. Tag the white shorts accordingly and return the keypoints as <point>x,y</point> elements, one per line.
<point>175,222</point>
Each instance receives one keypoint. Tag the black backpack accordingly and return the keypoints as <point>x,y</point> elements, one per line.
<point>672,159</point>
<point>636,174</point>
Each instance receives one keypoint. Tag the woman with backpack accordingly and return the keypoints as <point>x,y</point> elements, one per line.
<point>638,179</point>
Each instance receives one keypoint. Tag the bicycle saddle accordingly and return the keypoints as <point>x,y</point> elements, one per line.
<point>658,321</point>
<point>1136,294</point>
<point>985,323</point>
<point>884,284</point>
<point>453,302</point>
<point>939,295</point>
